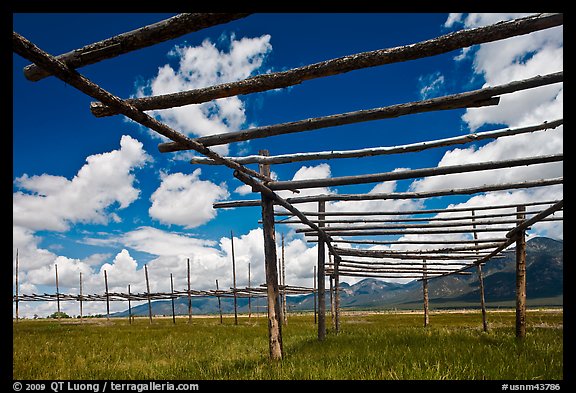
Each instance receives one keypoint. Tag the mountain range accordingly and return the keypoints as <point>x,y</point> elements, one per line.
<point>544,270</point>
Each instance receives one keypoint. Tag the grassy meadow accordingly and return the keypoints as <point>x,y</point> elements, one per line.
<point>390,346</point>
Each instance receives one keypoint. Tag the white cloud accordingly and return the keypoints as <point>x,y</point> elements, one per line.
<point>431,84</point>
<point>185,199</point>
<point>202,66</point>
<point>54,202</point>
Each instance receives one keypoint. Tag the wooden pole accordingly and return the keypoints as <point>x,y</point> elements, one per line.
<point>17,289</point>
<point>249,295</point>
<point>219,303</point>
<point>148,293</point>
<point>172,294</point>
<point>81,311</point>
<point>274,322</point>
<point>107,296</point>
<point>284,309</point>
<point>480,281</point>
<point>521,278</point>
<point>337,293</point>
<point>234,279</point>
<point>425,293</point>
<point>315,296</point>
<point>129,306</point>
<point>57,290</point>
<point>321,277</point>
<point>332,300</point>
<point>189,294</point>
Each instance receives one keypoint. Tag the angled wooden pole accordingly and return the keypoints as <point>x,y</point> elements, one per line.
<point>425,293</point>
<point>189,294</point>
<point>17,289</point>
<point>81,299</point>
<point>273,295</point>
<point>480,281</point>
<point>321,276</point>
<point>148,293</point>
<point>234,279</point>
<point>57,290</point>
<point>315,296</point>
<point>107,296</point>
<point>172,295</point>
<point>129,305</point>
<point>521,277</point>
<point>219,303</point>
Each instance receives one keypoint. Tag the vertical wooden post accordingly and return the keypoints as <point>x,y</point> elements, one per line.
<point>331,282</point>
<point>57,290</point>
<point>107,296</point>
<point>234,279</point>
<point>219,302</point>
<point>17,290</point>
<point>81,311</point>
<point>321,276</point>
<point>336,293</point>
<point>129,305</point>
<point>249,295</point>
<point>425,293</point>
<point>148,294</point>
<point>315,296</point>
<point>274,322</point>
<point>172,296</point>
<point>284,310</point>
<point>521,277</point>
<point>189,295</point>
<point>480,280</point>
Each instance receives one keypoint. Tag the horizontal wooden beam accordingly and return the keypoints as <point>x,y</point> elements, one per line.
<point>420,242</point>
<point>349,273</point>
<point>537,218</point>
<point>158,32</point>
<point>409,263</point>
<point>358,232</point>
<point>436,46</point>
<point>413,173</point>
<point>476,98</point>
<point>399,255</point>
<point>400,195</point>
<point>423,211</point>
<point>379,151</point>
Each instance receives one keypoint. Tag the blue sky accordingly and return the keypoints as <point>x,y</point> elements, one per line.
<point>94,193</point>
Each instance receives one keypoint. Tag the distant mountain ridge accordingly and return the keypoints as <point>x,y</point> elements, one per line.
<point>544,270</point>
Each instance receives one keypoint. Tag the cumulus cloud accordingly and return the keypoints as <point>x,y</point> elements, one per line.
<point>431,85</point>
<point>185,199</point>
<point>205,65</point>
<point>47,202</point>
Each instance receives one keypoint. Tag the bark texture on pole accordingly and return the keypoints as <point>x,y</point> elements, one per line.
<point>219,304</point>
<point>80,298</point>
<point>315,297</point>
<point>321,277</point>
<point>57,290</point>
<point>189,295</point>
<point>270,258</point>
<point>17,290</point>
<point>172,293</point>
<point>129,306</point>
<point>480,281</point>
<point>249,295</point>
<point>425,293</point>
<point>107,296</point>
<point>234,279</point>
<point>337,261</point>
<point>284,308</point>
<point>148,293</point>
<point>521,278</point>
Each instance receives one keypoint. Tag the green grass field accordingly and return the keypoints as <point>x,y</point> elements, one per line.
<point>377,346</point>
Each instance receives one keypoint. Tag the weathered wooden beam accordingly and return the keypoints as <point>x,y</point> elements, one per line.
<point>264,82</point>
<point>520,279</point>
<point>219,303</point>
<point>413,173</point>
<point>57,289</point>
<point>80,298</point>
<point>188,293</point>
<point>321,278</point>
<point>390,275</point>
<point>389,242</point>
<point>378,151</point>
<point>274,322</point>
<point>539,217</point>
<point>475,98</point>
<point>283,270</point>
<point>425,294</point>
<point>336,273</point>
<point>249,295</point>
<point>315,296</point>
<point>148,293</point>
<point>422,211</point>
<point>234,279</point>
<point>129,306</point>
<point>357,232</point>
<point>17,300</point>
<point>400,195</point>
<point>28,50</point>
<point>172,293</point>
<point>158,32</point>
<point>107,296</point>
<point>379,262</point>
